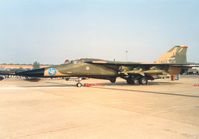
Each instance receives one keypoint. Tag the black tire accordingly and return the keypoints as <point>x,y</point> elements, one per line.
<point>1,78</point>
<point>129,81</point>
<point>113,80</point>
<point>79,85</point>
<point>136,81</point>
<point>143,81</point>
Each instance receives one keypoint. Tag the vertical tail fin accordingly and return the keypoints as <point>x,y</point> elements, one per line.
<point>176,55</point>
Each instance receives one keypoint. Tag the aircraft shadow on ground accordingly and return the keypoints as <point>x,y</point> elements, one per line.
<point>101,86</point>
<point>149,84</point>
<point>54,84</point>
<point>49,85</point>
<point>32,80</point>
<point>148,92</point>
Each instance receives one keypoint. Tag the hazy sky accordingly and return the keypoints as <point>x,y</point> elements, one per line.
<point>51,31</point>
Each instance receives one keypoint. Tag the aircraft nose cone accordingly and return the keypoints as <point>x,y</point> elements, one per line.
<point>32,73</point>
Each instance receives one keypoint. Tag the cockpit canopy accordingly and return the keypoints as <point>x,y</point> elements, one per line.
<point>84,60</point>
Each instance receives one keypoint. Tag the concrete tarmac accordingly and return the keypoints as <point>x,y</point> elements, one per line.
<point>57,109</point>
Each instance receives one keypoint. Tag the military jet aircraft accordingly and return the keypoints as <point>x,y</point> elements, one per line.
<point>134,73</point>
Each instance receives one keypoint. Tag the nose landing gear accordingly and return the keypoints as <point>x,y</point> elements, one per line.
<point>79,84</point>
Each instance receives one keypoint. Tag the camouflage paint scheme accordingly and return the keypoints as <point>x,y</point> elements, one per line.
<point>134,73</point>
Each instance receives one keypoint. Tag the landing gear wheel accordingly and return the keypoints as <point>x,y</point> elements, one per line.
<point>79,84</point>
<point>136,82</point>
<point>129,81</point>
<point>113,80</point>
<point>1,78</point>
<point>143,81</point>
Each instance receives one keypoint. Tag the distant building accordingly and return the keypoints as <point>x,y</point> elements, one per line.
<point>19,66</point>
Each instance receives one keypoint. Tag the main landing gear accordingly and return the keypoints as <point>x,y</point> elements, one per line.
<point>137,81</point>
<point>1,78</point>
